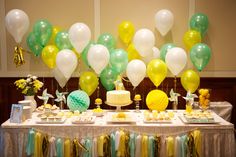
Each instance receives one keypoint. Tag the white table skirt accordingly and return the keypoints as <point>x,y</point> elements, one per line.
<point>217,139</point>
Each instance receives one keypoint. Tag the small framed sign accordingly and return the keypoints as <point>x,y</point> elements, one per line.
<point>16,113</point>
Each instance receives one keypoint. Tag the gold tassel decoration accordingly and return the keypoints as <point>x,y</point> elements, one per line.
<point>45,145</point>
<point>106,146</point>
<point>75,148</point>
<point>127,150</point>
<point>190,145</point>
<point>18,55</point>
<point>157,145</point>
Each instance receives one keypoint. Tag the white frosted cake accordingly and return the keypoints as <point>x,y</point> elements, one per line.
<point>118,97</point>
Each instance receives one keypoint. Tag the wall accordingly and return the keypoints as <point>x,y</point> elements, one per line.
<point>105,15</point>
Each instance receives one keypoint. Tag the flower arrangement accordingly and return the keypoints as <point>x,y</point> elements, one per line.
<point>29,86</point>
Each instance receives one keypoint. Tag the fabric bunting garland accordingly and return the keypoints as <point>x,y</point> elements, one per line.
<point>120,143</point>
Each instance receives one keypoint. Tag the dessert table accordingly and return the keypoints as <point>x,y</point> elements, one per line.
<point>217,139</point>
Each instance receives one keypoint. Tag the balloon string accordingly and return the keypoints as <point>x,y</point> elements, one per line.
<point>125,79</point>
<point>78,73</point>
<point>98,88</point>
<point>52,84</point>
<point>175,82</point>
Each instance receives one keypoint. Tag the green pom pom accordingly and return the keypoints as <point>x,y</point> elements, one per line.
<point>78,100</point>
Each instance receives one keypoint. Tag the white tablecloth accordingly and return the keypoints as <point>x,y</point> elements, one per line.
<point>218,139</point>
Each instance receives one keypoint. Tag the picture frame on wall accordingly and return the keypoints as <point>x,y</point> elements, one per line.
<point>16,113</point>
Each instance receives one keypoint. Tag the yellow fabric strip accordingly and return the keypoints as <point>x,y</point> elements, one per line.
<point>197,142</point>
<point>67,152</point>
<point>100,142</point>
<point>38,145</point>
<point>170,146</point>
<point>144,151</point>
<point>121,148</point>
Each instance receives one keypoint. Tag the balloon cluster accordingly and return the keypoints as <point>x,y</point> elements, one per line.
<point>200,53</point>
<point>60,51</point>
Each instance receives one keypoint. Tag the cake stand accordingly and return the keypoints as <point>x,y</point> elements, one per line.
<point>118,106</point>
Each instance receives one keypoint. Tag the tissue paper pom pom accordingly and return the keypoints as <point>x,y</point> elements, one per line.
<point>78,100</point>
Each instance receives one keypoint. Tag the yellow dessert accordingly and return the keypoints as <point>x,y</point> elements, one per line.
<point>121,115</point>
<point>97,110</point>
<point>47,106</point>
<point>137,97</point>
<point>98,101</point>
<point>204,96</point>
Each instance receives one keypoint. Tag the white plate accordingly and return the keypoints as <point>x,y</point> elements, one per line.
<point>199,121</point>
<point>39,121</point>
<point>77,120</point>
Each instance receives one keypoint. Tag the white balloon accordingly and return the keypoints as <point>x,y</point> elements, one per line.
<point>144,40</point>
<point>61,79</point>
<point>79,35</point>
<point>136,71</point>
<point>98,57</point>
<point>176,60</point>
<point>154,54</point>
<point>17,24</point>
<point>66,62</point>
<point>164,20</point>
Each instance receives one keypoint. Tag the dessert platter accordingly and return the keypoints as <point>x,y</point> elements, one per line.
<point>121,117</point>
<point>199,117</point>
<point>158,117</point>
<point>83,118</point>
<point>47,107</point>
<point>50,118</point>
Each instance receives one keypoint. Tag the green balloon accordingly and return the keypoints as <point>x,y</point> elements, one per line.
<point>43,31</point>
<point>85,52</point>
<point>62,40</point>
<point>108,77</point>
<point>164,50</point>
<point>33,44</point>
<point>119,60</point>
<point>78,100</point>
<point>199,22</point>
<point>107,40</point>
<point>200,55</point>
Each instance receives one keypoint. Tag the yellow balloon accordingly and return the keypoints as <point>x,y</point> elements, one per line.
<point>88,82</point>
<point>157,100</point>
<point>190,80</point>
<point>156,71</point>
<point>132,52</point>
<point>126,31</point>
<point>191,38</point>
<point>49,54</point>
<point>55,30</point>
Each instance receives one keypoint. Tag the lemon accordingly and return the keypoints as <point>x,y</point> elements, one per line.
<point>98,101</point>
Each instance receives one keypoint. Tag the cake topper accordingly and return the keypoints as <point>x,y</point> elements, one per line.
<point>119,84</point>
<point>45,96</point>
